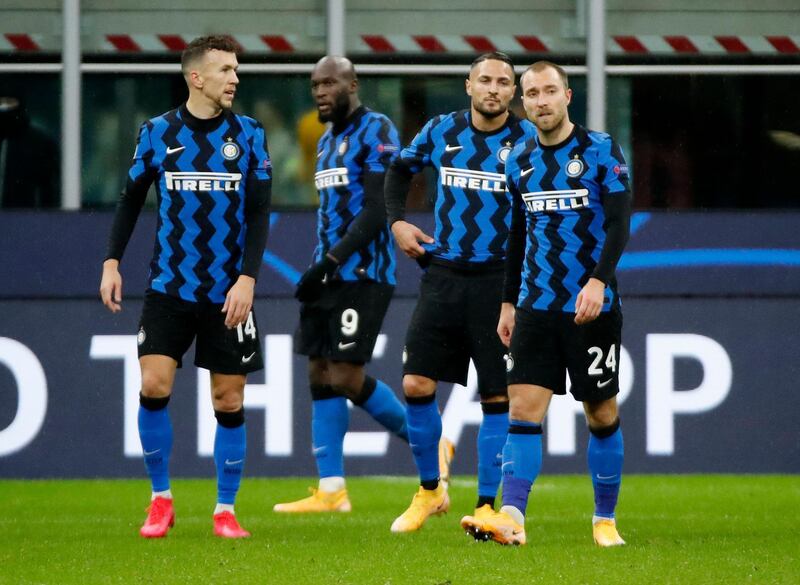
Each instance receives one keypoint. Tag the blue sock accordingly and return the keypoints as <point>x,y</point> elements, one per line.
<point>230,443</point>
<point>424,432</point>
<point>385,408</point>
<point>155,433</point>
<point>491,439</point>
<point>522,461</point>
<point>605,455</point>
<point>329,421</point>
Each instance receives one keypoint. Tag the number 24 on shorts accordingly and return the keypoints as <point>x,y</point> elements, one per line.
<point>610,362</point>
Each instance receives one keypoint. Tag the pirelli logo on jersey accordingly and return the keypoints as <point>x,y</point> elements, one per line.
<point>331,178</point>
<point>475,180</point>
<point>197,181</point>
<point>543,201</point>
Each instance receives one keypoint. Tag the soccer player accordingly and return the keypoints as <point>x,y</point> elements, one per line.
<point>569,227</point>
<point>345,293</point>
<point>212,176</point>
<point>459,303</point>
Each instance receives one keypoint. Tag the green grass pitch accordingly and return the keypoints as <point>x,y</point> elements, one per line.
<point>715,529</point>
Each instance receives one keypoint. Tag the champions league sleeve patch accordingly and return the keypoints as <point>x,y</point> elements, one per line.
<point>387,148</point>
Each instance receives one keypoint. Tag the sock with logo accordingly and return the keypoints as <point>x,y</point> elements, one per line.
<point>155,433</point>
<point>329,421</point>
<point>230,444</point>
<point>491,439</point>
<point>424,431</point>
<point>522,461</point>
<point>382,405</point>
<point>606,453</point>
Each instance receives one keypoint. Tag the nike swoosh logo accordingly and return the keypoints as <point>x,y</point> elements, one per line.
<point>526,172</point>
<point>515,532</point>
<point>603,477</point>
<point>507,463</point>
<point>176,149</point>
<point>449,148</point>
<point>318,450</point>
<point>229,462</point>
<point>151,452</point>
<point>346,345</point>
<point>320,153</point>
<point>248,358</point>
<point>604,384</point>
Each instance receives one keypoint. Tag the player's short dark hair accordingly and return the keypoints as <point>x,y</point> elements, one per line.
<point>201,45</point>
<point>493,56</point>
<point>542,65</point>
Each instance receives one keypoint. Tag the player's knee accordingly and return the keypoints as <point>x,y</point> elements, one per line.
<point>601,414</point>
<point>155,385</point>
<point>227,399</point>
<point>346,379</point>
<point>527,410</point>
<point>602,419</point>
<point>418,386</point>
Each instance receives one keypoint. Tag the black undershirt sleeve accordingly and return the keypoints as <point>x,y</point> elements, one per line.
<point>129,206</point>
<point>369,221</point>
<point>515,253</point>
<point>258,196</point>
<point>617,210</point>
<point>396,186</point>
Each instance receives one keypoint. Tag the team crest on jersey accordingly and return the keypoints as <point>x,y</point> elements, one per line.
<point>503,153</point>
<point>574,167</point>
<point>343,147</point>
<point>230,150</point>
<point>141,336</point>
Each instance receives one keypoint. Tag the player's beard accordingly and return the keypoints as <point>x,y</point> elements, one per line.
<point>490,114</point>
<point>338,111</point>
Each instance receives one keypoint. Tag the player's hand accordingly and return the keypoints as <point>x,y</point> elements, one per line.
<point>309,287</point>
<point>408,237</point>
<point>505,326</point>
<point>590,301</point>
<point>239,301</point>
<point>111,286</point>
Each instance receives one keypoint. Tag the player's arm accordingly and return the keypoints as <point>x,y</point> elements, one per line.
<point>398,181</point>
<point>617,199</point>
<point>362,230</point>
<point>257,199</point>
<point>407,235</point>
<point>382,145</point>
<point>129,206</point>
<point>515,255</point>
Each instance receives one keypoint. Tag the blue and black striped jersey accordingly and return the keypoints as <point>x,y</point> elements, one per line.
<point>201,169</point>
<point>561,189</point>
<point>472,207</point>
<point>367,144</point>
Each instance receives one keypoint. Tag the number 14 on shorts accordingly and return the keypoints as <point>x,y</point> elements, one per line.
<point>248,329</point>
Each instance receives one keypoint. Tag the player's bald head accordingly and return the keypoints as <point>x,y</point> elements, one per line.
<point>340,68</point>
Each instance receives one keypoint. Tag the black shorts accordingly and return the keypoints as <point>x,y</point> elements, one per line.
<point>343,324</point>
<point>168,326</point>
<point>546,345</point>
<point>456,319</point>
